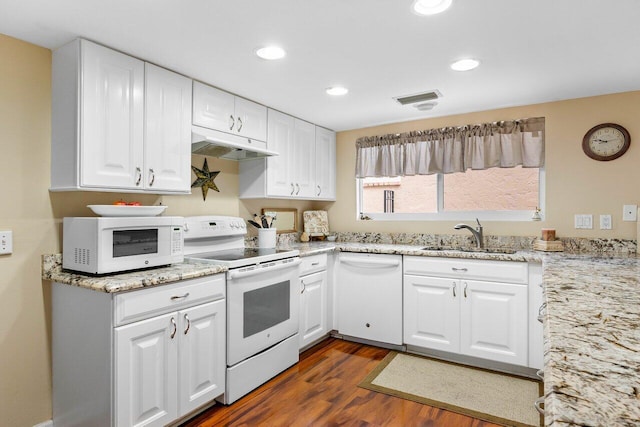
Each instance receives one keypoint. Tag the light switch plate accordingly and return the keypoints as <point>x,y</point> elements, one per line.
<point>605,222</point>
<point>630,213</point>
<point>583,221</point>
<point>6,242</point>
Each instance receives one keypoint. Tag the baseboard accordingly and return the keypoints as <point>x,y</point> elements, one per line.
<point>48,423</point>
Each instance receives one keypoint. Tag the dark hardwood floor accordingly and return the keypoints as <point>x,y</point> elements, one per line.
<point>322,390</point>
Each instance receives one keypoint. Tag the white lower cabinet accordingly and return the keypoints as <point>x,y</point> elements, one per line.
<point>142,358</point>
<point>314,300</point>
<point>369,296</point>
<point>457,314</point>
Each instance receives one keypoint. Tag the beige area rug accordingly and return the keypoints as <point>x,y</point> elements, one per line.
<point>486,395</point>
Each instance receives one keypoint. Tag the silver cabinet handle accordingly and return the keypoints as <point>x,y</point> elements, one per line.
<point>540,374</point>
<point>232,122</point>
<point>239,125</point>
<point>454,289</point>
<point>304,287</point>
<point>298,189</point>
<point>319,190</point>
<point>175,328</point>
<point>152,176</point>
<point>138,176</point>
<point>186,318</point>
<point>293,189</point>
<point>458,269</point>
<point>176,297</point>
<point>537,403</point>
<point>465,289</point>
<point>540,312</point>
<point>313,264</point>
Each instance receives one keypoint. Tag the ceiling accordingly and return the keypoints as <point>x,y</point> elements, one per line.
<point>530,51</point>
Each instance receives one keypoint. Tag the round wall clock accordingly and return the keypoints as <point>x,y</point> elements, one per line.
<point>607,141</point>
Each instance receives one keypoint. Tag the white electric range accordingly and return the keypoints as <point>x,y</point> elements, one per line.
<point>262,300</point>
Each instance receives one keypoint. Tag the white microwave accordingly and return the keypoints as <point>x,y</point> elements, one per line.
<point>101,245</point>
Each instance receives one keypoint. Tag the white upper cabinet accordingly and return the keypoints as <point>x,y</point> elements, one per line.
<point>98,123</point>
<point>325,164</point>
<point>167,147</point>
<point>216,109</point>
<point>303,169</point>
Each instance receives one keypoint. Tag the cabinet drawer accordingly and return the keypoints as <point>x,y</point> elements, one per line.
<point>313,263</point>
<point>144,303</point>
<point>472,269</point>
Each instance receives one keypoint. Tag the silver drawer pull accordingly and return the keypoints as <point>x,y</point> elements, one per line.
<point>314,264</point>
<point>186,318</point>
<point>177,297</point>
<point>537,403</point>
<point>458,269</point>
<point>175,328</point>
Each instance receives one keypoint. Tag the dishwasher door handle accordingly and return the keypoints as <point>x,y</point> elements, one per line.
<point>371,263</point>
<point>237,274</point>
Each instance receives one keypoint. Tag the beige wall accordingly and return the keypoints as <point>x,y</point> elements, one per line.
<point>574,183</point>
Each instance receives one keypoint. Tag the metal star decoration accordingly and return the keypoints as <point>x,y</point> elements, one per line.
<point>205,179</point>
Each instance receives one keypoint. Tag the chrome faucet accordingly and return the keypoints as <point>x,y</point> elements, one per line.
<point>477,233</point>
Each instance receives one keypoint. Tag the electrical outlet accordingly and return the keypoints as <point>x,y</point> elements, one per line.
<point>630,212</point>
<point>583,221</point>
<point>6,242</point>
<point>605,222</point>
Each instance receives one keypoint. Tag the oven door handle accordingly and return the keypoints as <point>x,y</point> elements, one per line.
<point>238,274</point>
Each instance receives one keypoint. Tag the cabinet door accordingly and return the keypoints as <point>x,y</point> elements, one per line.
<point>370,296</point>
<point>112,116</point>
<point>167,148</point>
<point>494,321</point>
<point>251,119</point>
<point>202,357</point>
<point>325,164</point>
<point>279,168</point>
<point>304,155</point>
<point>313,307</point>
<point>213,108</point>
<point>146,356</point>
<point>432,313</point>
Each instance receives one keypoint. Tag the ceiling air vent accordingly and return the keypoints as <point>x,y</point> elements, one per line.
<point>419,97</point>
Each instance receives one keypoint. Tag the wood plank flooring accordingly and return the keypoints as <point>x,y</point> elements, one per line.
<point>322,390</point>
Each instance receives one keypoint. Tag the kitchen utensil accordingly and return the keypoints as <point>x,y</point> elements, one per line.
<point>255,224</point>
<point>269,220</point>
<point>264,222</point>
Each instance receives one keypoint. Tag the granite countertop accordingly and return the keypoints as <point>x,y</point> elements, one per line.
<point>591,322</point>
<point>52,270</point>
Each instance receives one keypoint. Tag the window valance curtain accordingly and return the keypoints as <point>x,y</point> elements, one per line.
<point>502,144</point>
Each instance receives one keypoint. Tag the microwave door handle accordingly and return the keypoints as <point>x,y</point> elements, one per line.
<point>239,274</point>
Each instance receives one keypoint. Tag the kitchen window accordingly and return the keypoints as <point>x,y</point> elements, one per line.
<point>510,194</point>
<point>490,171</point>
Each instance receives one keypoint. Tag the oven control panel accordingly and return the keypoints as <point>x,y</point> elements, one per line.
<point>196,227</point>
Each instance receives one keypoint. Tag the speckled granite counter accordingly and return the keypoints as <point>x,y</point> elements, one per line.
<point>592,340</point>
<point>591,327</point>
<point>591,323</point>
<point>52,270</point>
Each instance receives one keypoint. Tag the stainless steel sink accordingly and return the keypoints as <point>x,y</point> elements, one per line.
<point>460,249</point>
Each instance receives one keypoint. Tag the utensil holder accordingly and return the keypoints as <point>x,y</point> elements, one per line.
<point>267,238</point>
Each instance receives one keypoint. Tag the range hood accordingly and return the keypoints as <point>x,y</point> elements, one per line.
<point>214,143</point>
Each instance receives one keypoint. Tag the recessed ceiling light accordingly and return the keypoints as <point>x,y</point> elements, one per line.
<point>430,7</point>
<point>337,90</point>
<point>465,64</point>
<point>271,52</point>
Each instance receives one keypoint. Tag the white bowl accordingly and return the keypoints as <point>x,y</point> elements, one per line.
<point>331,238</point>
<point>121,210</point>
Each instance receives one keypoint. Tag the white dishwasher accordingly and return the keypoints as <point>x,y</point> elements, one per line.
<point>369,297</point>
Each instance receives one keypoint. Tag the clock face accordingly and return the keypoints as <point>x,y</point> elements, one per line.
<point>606,142</point>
